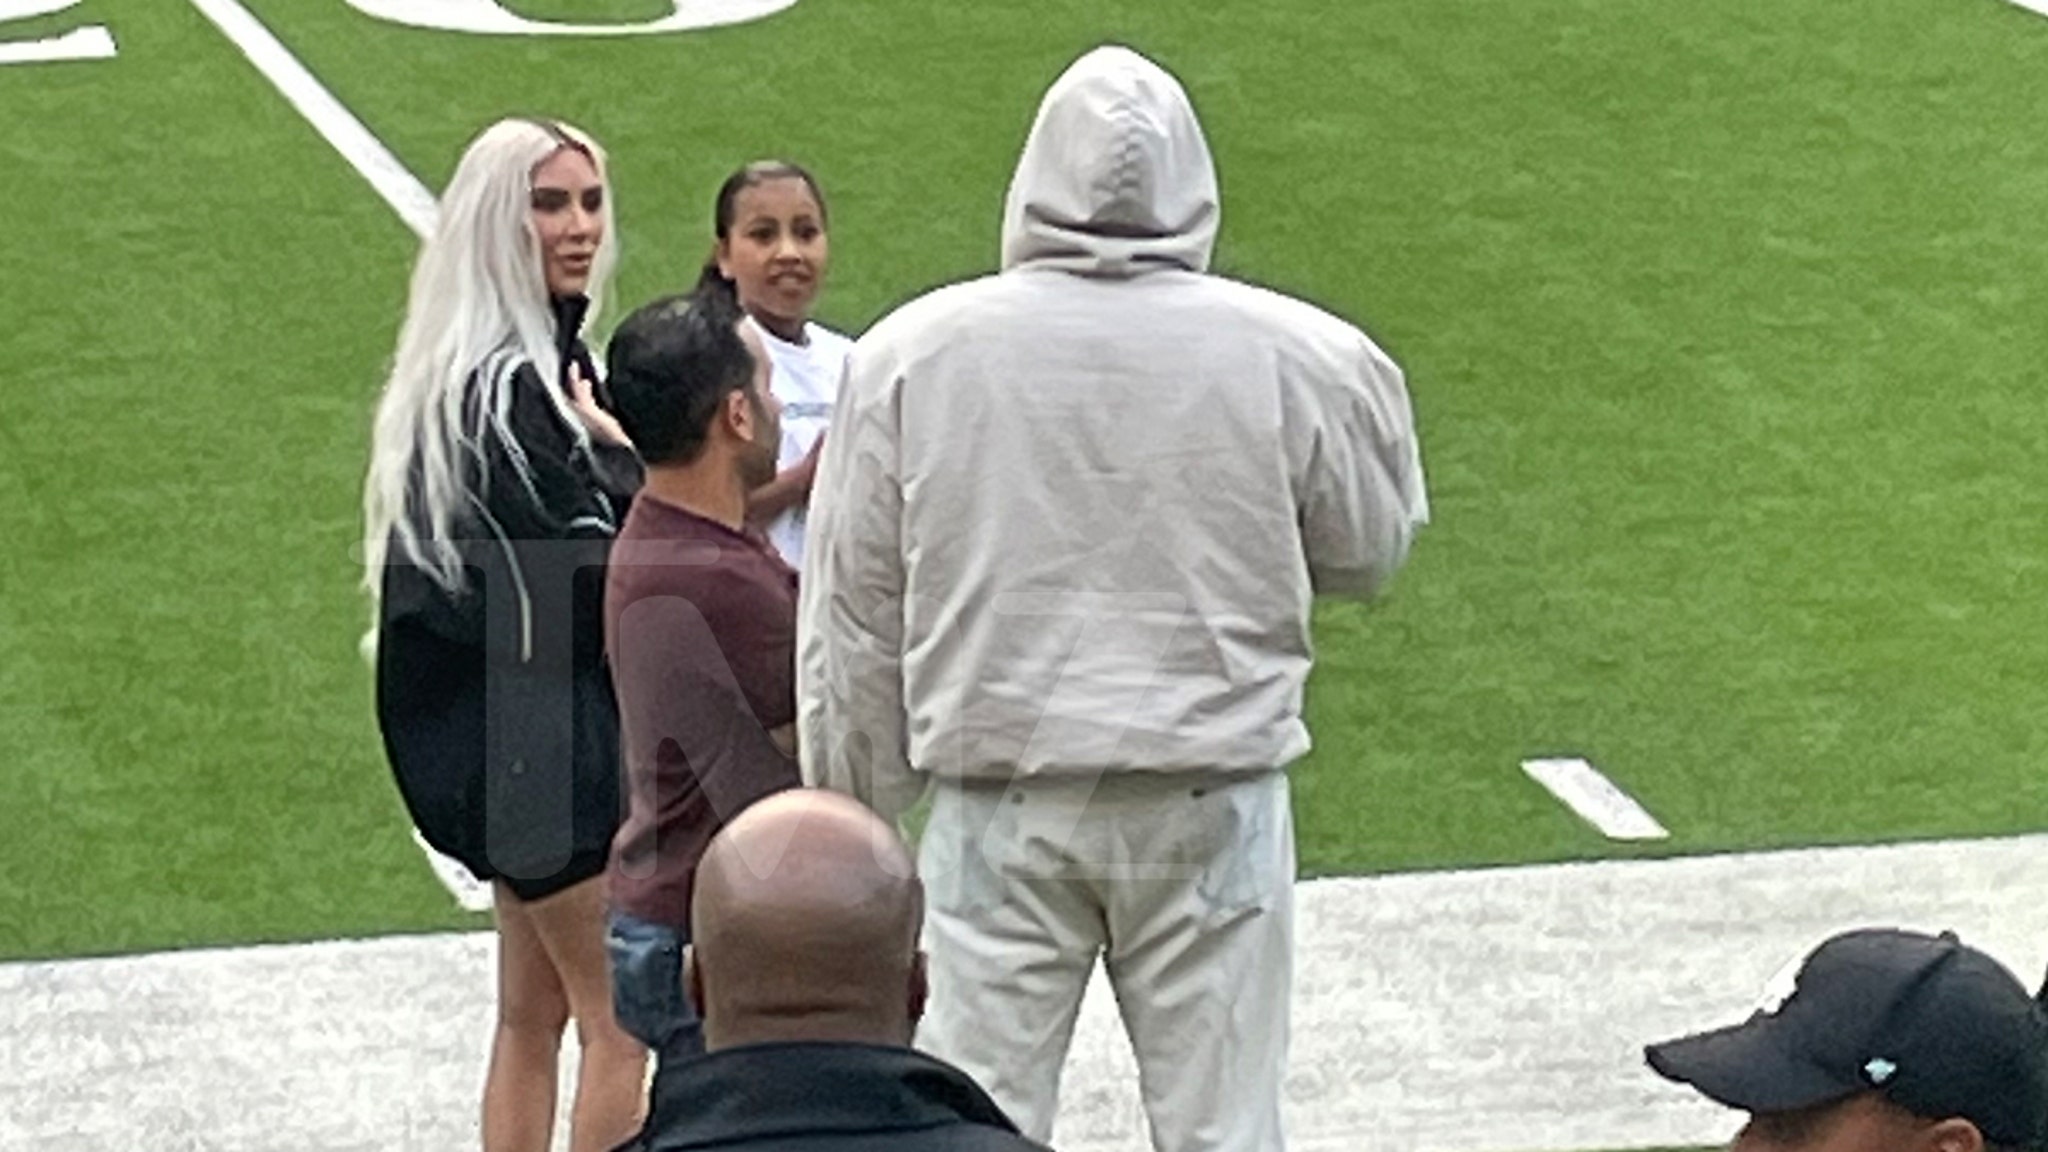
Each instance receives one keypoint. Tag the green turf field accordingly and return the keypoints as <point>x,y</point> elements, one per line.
<point>1721,322</point>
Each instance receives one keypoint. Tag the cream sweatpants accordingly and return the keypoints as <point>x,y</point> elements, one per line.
<point>1183,885</point>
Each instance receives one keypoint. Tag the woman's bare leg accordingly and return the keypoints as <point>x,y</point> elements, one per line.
<point>611,1083</point>
<point>519,1090</point>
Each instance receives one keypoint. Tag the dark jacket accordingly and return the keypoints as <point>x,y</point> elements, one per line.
<point>819,1097</point>
<point>494,699</point>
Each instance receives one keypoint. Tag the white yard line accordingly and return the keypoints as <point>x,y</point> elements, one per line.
<point>1492,1011</point>
<point>1598,800</point>
<point>367,154</point>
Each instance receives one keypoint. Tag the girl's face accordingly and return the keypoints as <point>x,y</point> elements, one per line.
<point>568,218</point>
<point>776,250</point>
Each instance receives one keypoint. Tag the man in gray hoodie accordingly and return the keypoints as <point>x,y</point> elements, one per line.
<point>1069,523</point>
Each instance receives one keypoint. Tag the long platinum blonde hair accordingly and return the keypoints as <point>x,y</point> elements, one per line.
<point>478,306</point>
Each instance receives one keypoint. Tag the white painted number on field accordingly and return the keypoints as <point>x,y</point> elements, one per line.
<point>490,17</point>
<point>1598,800</point>
<point>92,42</point>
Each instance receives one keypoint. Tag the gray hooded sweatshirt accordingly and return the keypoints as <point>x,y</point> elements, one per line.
<point>1070,518</point>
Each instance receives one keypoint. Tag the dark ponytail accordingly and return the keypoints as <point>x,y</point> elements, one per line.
<point>711,281</point>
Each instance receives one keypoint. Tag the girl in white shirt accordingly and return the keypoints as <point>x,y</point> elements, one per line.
<point>773,245</point>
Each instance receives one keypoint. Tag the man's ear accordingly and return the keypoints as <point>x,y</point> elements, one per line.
<point>920,987</point>
<point>693,981</point>
<point>738,414</point>
<point>1953,1135</point>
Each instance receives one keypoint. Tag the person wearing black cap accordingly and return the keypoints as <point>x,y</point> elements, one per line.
<point>1880,1040</point>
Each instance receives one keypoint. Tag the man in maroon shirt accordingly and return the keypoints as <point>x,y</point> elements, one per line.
<point>700,627</point>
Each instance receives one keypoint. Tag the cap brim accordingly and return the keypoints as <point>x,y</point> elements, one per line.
<point>1749,1067</point>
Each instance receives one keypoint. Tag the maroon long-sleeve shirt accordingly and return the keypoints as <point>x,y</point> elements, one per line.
<point>700,628</point>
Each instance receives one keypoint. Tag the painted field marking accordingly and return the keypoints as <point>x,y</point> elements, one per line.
<point>1598,800</point>
<point>92,42</point>
<point>492,18</point>
<point>367,154</point>
<point>471,894</point>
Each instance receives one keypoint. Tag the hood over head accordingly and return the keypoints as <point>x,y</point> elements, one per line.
<point>1115,179</point>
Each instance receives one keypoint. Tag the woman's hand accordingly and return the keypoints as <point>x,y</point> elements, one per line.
<point>602,424</point>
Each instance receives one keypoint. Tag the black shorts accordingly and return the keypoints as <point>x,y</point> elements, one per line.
<point>535,855</point>
<point>582,866</point>
<point>542,816</point>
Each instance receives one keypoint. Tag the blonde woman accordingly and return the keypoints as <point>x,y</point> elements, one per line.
<point>496,482</point>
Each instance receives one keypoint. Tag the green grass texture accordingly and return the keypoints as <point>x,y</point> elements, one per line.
<point>1721,322</point>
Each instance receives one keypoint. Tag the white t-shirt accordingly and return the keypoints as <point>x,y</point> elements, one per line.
<point>806,380</point>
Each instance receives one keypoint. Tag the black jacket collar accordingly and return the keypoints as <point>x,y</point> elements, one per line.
<point>569,313</point>
<point>765,1091</point>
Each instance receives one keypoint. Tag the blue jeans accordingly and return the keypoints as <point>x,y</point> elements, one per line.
<point>647,986</point>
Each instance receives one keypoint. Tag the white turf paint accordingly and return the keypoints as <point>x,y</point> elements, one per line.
<point>93,43</point>
<point>392,180</point>
<point>1598,800</point>
<point>491,17</point>
<point>471,894</point>
<point>1492,1011</point>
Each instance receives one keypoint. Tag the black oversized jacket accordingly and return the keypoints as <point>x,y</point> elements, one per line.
<point>822,1097</point>
<point>494,699</point>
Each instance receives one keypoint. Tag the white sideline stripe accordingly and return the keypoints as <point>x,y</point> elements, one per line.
<point>90,43</point>
<point>1501,1010</point>
<point>367,154</point>
<point>1598,800</point>
<point>471,894</point>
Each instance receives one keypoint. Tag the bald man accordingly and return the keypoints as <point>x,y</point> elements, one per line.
<point>804,966</point>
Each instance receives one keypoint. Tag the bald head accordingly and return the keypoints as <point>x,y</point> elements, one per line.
<point>804,926</point>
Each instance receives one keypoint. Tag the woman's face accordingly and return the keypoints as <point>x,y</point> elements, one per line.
<point>568,217</point>
<point>776,249</point>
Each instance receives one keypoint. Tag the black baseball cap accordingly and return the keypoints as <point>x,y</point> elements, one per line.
<point>1939,1028</point>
